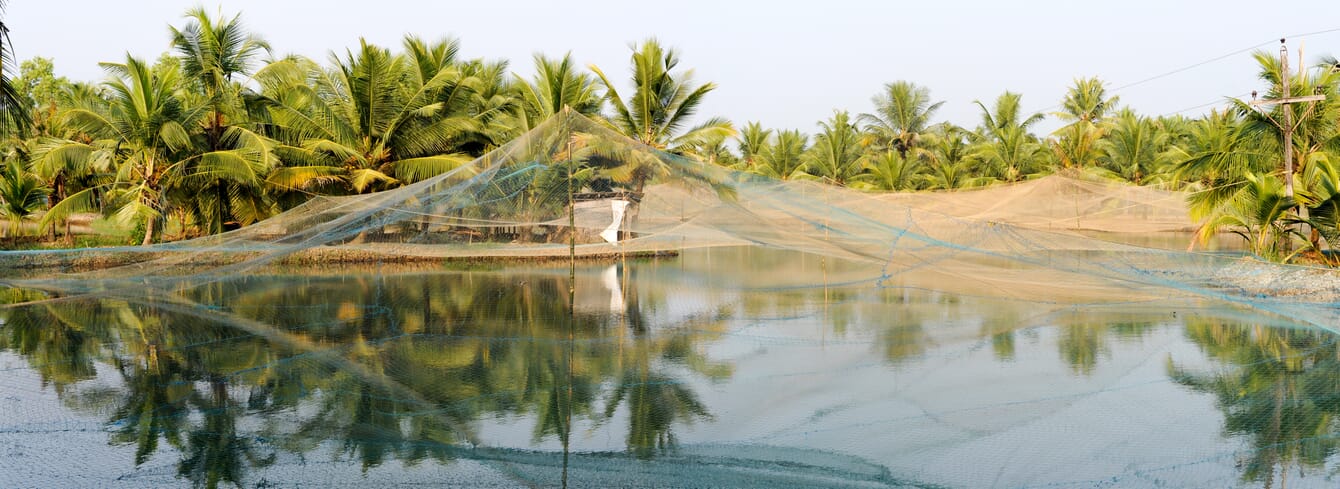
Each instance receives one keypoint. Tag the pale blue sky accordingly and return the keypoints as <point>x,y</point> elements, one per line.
<point>785,63</point>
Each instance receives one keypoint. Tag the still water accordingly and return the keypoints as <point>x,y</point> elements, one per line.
<point>725,367</point>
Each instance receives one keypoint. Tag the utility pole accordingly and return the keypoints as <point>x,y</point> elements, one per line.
<point>1287,126</point>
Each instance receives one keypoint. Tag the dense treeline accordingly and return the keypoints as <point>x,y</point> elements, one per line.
<point>219,133</point>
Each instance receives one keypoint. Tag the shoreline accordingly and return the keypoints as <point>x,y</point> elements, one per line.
<point>96,259</point>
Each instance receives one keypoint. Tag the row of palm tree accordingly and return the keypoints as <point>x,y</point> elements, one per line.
<point>899,147</point>
<point>1234,160</point>
<point>219,133</point>
<point>1230,162</point>
<point>209,137</point>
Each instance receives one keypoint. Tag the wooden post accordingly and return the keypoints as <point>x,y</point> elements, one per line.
<point>572,219</point>
<point>566,407</point>
<point>1288,120</point>
<point>1286,125</point>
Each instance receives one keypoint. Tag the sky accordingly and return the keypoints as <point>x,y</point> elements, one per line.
<point>784,63</point>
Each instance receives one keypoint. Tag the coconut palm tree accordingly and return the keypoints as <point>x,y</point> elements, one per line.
<point>1215,155</point>
<point>1234,157</point>
<point>21,194</point>
<point>713,150</point>
<point>142,135</point>
<point>784,159</point>
<point>903,112</point>
<point>1013,157</point>
<point>753,141</point>
<point>1136,148</point>
<point>375,119</point>
<point>1260,212</point>
<point>663,101</point>
<point>557,84</point>
<point>1005,146</point>
<point>657,114</point>
<point>1314,125</point>
<point>891,171</point>
<point>214,54</point>
<point>62,156</point>
<point>1076,145</point>
<point>1324,213</point>
<point>13,112</point>
<point>1005,116</point>
<point>491,105</point>
<point>1087,101</point>
<point>949,159</point>
<point>836,156</point>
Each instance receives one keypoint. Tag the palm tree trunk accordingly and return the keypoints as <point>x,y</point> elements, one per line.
<point>58,194</point>
<point>220,213</point>
<point>151,181</point>
<point>148,231</point>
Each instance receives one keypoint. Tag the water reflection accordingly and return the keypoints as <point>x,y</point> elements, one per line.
<point>1278,388</point>
<point>234,380</point>
<point>1085,336</point>
<point>398,366</point>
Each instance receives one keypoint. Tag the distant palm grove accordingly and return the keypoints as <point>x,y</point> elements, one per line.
<point>219,133</point>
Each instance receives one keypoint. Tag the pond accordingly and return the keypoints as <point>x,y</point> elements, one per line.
<point>726,367</point>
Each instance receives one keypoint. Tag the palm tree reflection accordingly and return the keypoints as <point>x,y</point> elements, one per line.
<point>1278,389</point>
<point>433,353</point>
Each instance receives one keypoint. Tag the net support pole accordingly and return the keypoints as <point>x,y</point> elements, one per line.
<point>572,221</point>
<point>572,299</point>
<point>1286,126</point>
<point>1288,135</point>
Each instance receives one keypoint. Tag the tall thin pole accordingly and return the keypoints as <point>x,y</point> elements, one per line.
<point>572,300</point>
<point>1286,124</point>
<point>1288,120</point>
<point>572,220</point>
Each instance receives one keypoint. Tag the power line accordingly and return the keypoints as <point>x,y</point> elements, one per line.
<point>1207,104</point>
<point>1188,67</point>
<point>1205,62</point>
<point>1220,57</point>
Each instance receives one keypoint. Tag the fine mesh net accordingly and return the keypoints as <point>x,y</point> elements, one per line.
<point>329,343</point>
<point>1017,240</point>
<point>1063,203</point>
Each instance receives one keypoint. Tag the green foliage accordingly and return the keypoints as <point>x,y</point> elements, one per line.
<point>1087,101</point>
<point>40,90</point>
<point>836,156</point>
<point>903,111</point>
<point>1078,145</point>
<point>950,160</point>
<point>890,171</point>
<point>784,158</point>
<point>21,194</point>
<point>14,112</point>
<point>212,136</point>
<point>1136,149</point>
<point>556,84</point>
<point>1006,150</point>
<point>1234,162</point>
<point>754,140</point>
<point>1263,395</point>
<point>657,113</point>
<point>376,119</point>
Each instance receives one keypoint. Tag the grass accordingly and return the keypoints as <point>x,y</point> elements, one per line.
<point>24,243</point>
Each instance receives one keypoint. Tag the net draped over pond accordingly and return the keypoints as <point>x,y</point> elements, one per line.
<point>803,335</point>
